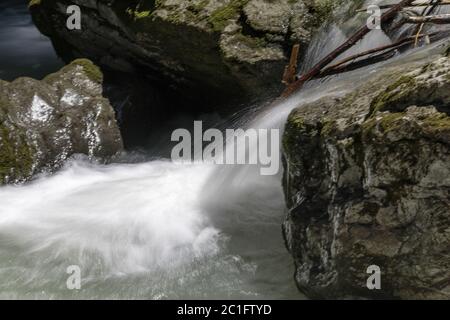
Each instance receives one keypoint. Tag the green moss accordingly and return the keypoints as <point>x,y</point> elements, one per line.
<point>297,130</point>
<point>91,70</point>
<point>390,121</point>
<point>16,156</point>
<point>387,122</point>
<point>198,7</point>
<point>322,10</point>
<point>178,17</point>
<point>393,94</point>
<point>16,159</point>
<point>328,128</point>
<point>251,42</point>
<point>294,126</point>
<point>142,9</point>
<point>34,3</point>
<point>438,122</point>
<point>447,51</point>
<point>297,122</point>
<point>219,19</point>
<point>142,14</point>
<point>3,106</point>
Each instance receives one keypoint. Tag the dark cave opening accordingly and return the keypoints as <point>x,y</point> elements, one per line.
<point>148,111</point>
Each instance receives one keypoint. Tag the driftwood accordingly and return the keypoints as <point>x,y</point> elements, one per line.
<point>363,31</point>
<point>436,19</point>
<point>290,72</point>
<point>393,46</point>
<point>432,5</point>
<point>379,57</point>
<point>376,55</point>
<point>387,6</point>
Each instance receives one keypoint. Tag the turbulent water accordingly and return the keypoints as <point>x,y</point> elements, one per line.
<point>142,231</point>
<point>155,229</point>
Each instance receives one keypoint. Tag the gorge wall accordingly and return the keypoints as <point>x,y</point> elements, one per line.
<point>214,49</point>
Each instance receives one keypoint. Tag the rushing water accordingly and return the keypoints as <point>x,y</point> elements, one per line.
<point>142,231</point>
<point>154,229</point>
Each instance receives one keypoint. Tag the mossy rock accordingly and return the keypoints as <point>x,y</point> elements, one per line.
<point>90,69</point>
<point>34,3</point>
<point>394,94</point>
<point>220,18</point>
<point>43,123</point>
<point>16,156</point>
<point>366,182</point>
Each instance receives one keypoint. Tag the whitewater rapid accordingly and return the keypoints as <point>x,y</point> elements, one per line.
<point>150,230</point>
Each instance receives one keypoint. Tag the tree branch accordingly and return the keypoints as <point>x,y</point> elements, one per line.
<point>426,4</point>
<point>361,33</point>
<point>437,19</point>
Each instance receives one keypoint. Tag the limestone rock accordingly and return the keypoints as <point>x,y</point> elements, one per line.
<point>42,123</point>
<point>367,182</point>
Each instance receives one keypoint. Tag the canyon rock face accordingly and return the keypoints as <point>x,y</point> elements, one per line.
<point>367,182</point>
<point>214,49</point>
<point>43,123</point>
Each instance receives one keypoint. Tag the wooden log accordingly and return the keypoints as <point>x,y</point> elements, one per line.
<point>379,57</point>
<point>432,5</point>
<point>389,50</point>
<point>363,31</point>
<point>387,6</point>
<point>436,19</point>
<point>290,71</point>
<point>394,45</point>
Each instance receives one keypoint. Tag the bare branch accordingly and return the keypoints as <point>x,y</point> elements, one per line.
<point>361,33</point>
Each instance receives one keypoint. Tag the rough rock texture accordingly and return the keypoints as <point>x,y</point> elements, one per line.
<point>42,123</point>
<point>214,49</point>
<point>367,182</point>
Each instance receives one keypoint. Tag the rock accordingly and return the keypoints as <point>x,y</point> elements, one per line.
<point>214,49</point>
<point>367,182</point>
<point>42,123</point>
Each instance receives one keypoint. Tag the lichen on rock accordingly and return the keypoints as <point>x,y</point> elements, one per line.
<point>43,123</point>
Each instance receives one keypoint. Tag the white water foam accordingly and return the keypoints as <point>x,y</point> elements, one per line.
<point>136,231</point>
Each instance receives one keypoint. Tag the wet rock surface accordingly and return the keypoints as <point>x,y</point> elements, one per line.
<point>367,182</point>
<point>43,123</point>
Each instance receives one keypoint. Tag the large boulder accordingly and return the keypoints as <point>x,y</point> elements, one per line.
<point>42,123</point>
<point>215,50</point>
<point>367,182</point>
